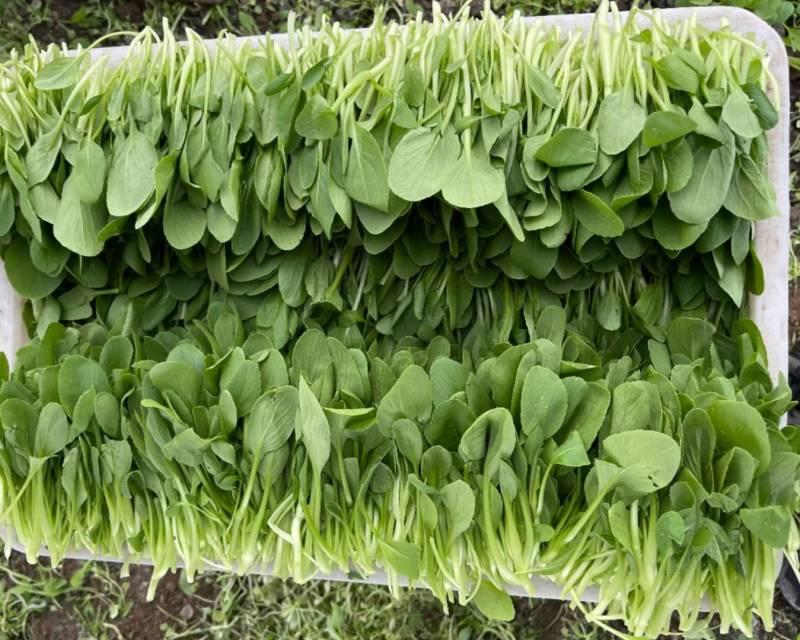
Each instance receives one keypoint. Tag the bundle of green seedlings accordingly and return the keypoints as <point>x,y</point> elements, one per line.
<point>658,476</point>
<point>323,283</point>
<point>362,167</point>
<point>461,301</point>
<point>627,303</point>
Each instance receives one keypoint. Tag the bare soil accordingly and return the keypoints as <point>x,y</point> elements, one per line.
<point>139,620</point>
<point>146,620</point>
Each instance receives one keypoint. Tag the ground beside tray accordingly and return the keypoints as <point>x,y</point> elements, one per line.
<point>80,601</point>
<point>91,601</point>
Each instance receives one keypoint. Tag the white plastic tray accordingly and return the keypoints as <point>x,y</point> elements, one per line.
<point>770,310</point>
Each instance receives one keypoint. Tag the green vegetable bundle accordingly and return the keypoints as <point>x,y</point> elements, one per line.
<point>658,476</point>
<point>458,300</point>
<point>624,306</point>
<point>456,151</point>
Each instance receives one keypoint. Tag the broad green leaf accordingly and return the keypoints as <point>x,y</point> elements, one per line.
<point>366,179</point>
<point>609,311</point>
<point>59,73</point>
<point>402,557</point>
<point>410,397</point>
<point>314,428</point>
<point>490,438</point>
<point>631,406</point>
<point>543,402</point>
<point>472,181</point>
<point>662,127</point>
<point>674,234</point>
<point>420,161</point>
<point>117,353</point>
<point>27,280</point>
<point>542,87</point>
<point>164,172</point>
<point>448,377</point>
<point>765,110</point>
<point>314,74</point>
<point>316,120</point>
<point>619,122</point>
<point>242,378</point>
<point>737,424</point>
<point>271,422</point>
<point>184,225</point>
<point>436,464</point>
<point>530,257</point>
<point>220,224</point>
<point>408,438</point>
<point>649,460</point>
<point>588,416</point>
<point>187,448</point>
<point>71,478</point>
<point>131,179</point>
<point>679,163</point>
<point>427,512</point>
<point>771,524</point>
<point>90,171</point>
<point>310,356</point>
<point>449,421</point>
<point>493,603</point>
<point>229,194</point>
<point>690,337</point>
<point>278,83</point>
<point>705,192</point>
<point>552,324</point>
<point>733,475</point>
<point>670,527</point>
<point>511,218</point>
<point>502,373</point>
<point>677,73</point>
<point>107,412</point>
<point>459,502</point>
<point>19,415</point>
<point>116,458</point>
<point>732,275</point>
<point>738,115</point>
<point>8,211</point>
<point>51,431</point>
<point>619,522</point>
<point>83,413</point>
<point>78,225</point>
<point>178,377</point>
<point>224,451</point>
<point>569,147</point>
<point>750,195</point>
<point>42,156</point>
<point>699,444</point>
<point>321,207</point>
<point>706,125</point>
<point>572,453</point>
<point>76,375</point>
<point>594,214</point>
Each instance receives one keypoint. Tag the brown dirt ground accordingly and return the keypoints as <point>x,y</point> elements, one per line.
<point>145,620</point>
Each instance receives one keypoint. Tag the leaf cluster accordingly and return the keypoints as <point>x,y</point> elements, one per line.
<point>469,151</point>
<point>207,444</point>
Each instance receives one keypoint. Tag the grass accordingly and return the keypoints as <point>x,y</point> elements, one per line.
<point>81,21</point>
<point>93,600</point>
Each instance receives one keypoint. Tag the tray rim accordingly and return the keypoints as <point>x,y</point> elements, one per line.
<point>769,310</point>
